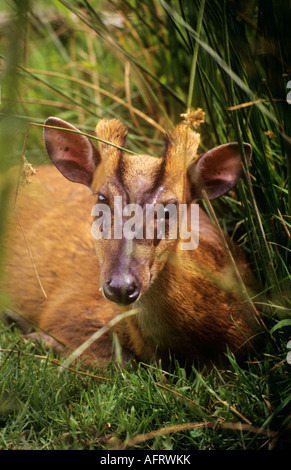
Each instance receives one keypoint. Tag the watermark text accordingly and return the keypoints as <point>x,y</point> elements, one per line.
<point>153,221</point>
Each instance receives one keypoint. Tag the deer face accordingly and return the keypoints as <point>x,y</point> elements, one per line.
<point>139,198</point>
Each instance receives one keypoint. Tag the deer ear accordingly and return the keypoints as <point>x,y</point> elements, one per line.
<point>217,170</point>
<point>72,153</point>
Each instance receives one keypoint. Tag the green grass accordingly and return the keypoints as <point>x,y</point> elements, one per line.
<point>232,59</point>
<point>44,406</point>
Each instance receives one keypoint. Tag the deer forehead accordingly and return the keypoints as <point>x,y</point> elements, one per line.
<point>142,178</point>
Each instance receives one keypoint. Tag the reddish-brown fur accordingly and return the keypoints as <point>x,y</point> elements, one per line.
<point>188,300</point>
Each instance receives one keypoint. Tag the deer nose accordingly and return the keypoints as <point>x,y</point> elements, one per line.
<point>121,291</point>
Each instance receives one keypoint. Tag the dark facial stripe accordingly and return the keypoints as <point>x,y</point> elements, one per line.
<point>120,169</point>
<point>160,173</point>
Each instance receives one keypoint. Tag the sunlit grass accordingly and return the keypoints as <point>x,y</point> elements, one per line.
<point>44,406</point>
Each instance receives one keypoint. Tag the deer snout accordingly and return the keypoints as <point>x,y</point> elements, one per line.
<point>121,291</point>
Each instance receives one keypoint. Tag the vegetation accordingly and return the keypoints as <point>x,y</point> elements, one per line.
<point>147,62</point>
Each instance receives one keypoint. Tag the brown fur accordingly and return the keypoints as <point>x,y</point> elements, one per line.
<point>189,301</point>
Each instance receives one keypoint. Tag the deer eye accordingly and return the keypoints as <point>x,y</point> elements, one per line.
<point>168,214</point>
<point>170,211</point>
<point>101,198</point>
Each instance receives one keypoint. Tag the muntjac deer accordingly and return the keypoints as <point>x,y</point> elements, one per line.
<point>186,301</point>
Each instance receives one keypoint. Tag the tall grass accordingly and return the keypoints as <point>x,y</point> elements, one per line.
<point>147,62</point>
<point>10,127</point>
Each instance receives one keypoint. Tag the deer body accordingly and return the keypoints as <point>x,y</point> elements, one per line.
<point>186,301</point>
